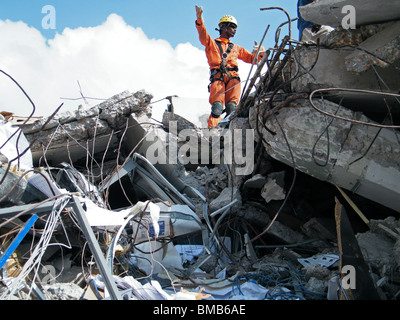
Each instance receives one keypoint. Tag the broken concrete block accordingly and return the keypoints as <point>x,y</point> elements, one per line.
<point>317,286</point>
<point>226,197</point>
<point>118,108</point>
<point>64,291</point>
<point>210,264</point>
<point>272,190</point>
<point>257,182</point>
<point>340,37</point>
<point>82,129</point>
<point>382,49</point>
<point>376,249</point>
<point>387,227</point>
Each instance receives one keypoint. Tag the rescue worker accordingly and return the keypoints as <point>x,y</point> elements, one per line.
<point>222,55</point>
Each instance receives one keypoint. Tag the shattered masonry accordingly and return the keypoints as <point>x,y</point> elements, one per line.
<point>85,213</point>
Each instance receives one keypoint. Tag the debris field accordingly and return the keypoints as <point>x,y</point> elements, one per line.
<point>104,203</point>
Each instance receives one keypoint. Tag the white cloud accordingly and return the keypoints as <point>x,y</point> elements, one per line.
<point>106,60</point>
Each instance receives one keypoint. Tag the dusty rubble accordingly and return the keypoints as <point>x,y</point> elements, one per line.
<point>102,203</point>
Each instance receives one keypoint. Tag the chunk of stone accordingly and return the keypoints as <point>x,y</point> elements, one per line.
<point>226,197</point>
<point>376,249</point>
<point>257,181</point>
<point>273,188</point>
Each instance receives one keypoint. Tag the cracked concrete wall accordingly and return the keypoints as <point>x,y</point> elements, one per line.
<point>375,176</point>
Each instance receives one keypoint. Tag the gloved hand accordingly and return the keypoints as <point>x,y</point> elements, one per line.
<point>199,14</point>
<point>261,52</point>
<point>255,48</point>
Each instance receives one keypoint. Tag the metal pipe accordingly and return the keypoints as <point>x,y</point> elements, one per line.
<point>96,250</point>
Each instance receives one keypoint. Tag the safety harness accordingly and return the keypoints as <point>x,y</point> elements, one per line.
<point>223,68</point>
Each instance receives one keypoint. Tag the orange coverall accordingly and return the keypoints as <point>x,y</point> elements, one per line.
<point>229,90</point>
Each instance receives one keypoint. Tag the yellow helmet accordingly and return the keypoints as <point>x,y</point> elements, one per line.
<point>229,19</point>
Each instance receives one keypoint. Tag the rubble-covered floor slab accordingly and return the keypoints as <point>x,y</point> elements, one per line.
<point>339,160</point>
<point>74,135</point>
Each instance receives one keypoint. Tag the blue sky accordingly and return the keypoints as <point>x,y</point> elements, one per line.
<point>171,20</point>
<point>113,46</point>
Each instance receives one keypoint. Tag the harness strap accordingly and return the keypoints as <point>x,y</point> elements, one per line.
<point>224,55</point>
<point>223,66</point>
<point>214,72</point>
<point>223,69</point>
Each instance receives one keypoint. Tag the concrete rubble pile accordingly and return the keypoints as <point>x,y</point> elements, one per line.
<point>103,204</point>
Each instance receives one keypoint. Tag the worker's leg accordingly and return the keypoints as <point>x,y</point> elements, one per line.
<point>232,95</point>
<point>215,116</point>
<point>217,100</point>
<point>230,107</point>
<point>213,122</point>
<point>217,92</point>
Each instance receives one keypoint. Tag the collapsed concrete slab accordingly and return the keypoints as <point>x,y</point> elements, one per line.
<point>329,12</point>
<point>359,158</point>
<point>72,135</point>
